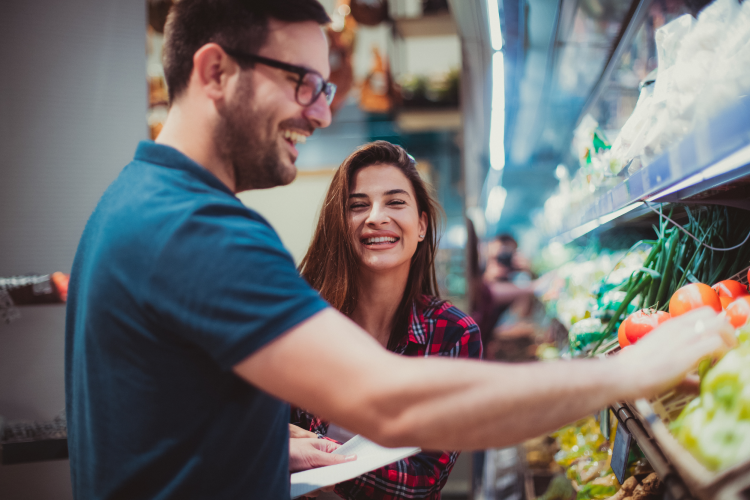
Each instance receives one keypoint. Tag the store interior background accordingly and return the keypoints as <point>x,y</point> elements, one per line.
<point>74,103</point>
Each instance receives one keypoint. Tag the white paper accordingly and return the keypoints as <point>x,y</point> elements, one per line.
<point>370,456</point>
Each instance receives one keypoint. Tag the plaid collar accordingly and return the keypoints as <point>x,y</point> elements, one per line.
<point>417,332</point>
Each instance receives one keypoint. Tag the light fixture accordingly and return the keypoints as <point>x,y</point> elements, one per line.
<point>493,14</point>
<point>497,115</point>
<point>495,204</point>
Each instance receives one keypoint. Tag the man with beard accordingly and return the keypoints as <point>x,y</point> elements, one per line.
<point>175,281</point>
<point>188,324</point>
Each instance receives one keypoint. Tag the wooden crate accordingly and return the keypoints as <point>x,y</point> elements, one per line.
<point>704,483</point>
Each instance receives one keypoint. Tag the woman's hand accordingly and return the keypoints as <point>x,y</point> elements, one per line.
<point>309,453</point>
<point>296,432</point>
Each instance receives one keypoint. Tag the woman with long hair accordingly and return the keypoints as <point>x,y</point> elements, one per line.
<point>372,257</point>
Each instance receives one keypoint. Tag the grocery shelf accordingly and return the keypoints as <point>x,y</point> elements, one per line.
<point>664,469</point>
<point>24,442</point>
<point>701,168</point>
<point>429,120</point>
<point>432,25</point>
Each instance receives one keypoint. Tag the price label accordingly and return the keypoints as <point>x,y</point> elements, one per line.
<point>621,452</point>
<point>8,311</point>
<point>605,423</point>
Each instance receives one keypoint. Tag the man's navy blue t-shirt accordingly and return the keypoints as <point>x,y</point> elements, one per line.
<point>175,281</point>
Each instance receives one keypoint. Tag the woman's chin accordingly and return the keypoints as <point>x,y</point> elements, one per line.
<point>383,265</point>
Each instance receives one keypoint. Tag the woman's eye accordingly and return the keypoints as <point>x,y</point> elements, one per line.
<point>397,202</point>
<point>356,205</point>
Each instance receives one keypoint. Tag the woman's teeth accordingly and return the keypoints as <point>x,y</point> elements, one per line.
<point>294,137</point>
<point>382,239</point>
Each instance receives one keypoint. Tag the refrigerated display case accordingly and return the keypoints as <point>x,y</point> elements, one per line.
<point>704,164</point>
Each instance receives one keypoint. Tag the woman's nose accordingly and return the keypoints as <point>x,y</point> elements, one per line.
<point>377,215</point>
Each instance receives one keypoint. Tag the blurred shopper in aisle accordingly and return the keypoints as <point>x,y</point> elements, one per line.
<point>508,277</point>
<point>372,257</point>
<point>188,325</point>
<point>505,281</point>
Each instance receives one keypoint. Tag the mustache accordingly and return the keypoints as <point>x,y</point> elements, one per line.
<point>298,124</point>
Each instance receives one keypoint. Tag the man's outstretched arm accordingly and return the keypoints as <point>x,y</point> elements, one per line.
<point>331,367</point>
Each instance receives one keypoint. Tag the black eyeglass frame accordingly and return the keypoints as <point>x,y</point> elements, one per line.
<point>328,88</point>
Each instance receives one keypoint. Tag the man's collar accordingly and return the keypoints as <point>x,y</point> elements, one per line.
<point>167,156</point>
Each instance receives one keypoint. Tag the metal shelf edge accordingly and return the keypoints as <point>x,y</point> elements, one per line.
<point>724,138</point>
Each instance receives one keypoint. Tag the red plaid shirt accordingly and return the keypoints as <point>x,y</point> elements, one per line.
<point>436,328</point>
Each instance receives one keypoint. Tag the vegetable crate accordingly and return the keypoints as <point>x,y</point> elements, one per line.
<point>658,413</point>
<point>729,484</point>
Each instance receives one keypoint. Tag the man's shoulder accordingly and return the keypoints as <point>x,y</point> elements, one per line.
<point>170,197</point>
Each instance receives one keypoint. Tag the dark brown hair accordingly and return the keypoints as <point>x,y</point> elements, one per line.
<point>237,24</point>
<point>331,263</point>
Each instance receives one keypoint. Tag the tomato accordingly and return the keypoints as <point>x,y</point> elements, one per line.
<point>641,323</point>
<point>693,296</point>
<point>738,311</point>
<point>729,291</point>
<point>621,337</point>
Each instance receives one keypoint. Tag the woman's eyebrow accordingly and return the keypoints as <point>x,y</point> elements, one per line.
<point>397,191</point>
<point>358,195</point>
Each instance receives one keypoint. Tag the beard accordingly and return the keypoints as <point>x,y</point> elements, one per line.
<point>247,140</point>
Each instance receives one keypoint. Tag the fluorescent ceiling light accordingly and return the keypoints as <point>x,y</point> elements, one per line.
<point>493,14</point>
<point>495,204</point>
<point>497,118</point>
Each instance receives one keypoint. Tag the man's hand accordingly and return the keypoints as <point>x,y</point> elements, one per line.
<point>664,357</point>
<point>308,453</point>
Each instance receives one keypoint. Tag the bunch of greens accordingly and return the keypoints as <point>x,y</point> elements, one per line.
<point>676,258</point>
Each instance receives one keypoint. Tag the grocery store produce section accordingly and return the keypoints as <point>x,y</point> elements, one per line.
<point>609,309</point>
<point>654,222</point>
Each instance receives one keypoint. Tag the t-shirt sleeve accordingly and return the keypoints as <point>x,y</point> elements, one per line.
<point>223,281</point>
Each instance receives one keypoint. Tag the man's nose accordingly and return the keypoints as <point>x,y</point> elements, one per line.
<point>319,112</point>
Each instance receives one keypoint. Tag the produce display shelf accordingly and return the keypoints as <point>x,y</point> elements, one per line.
<point>716,153</point>
<point>675,485</point>
<point>24,442</point>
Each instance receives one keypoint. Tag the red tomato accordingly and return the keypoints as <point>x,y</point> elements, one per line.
<point>738,311</point>
<point>729,291</point>
<point>621,337</point>
<point>641,323</point>
<point>693,296</point>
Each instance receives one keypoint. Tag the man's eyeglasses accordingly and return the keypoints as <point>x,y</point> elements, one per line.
<point>309,86</point>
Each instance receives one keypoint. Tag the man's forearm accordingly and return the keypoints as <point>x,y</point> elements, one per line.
<point>329,366</point>
<point>470,405</point>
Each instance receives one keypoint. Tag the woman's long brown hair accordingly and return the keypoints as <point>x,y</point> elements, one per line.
<point>331,263</point>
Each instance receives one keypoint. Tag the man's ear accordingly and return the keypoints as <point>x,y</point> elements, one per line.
<point>212,68</point>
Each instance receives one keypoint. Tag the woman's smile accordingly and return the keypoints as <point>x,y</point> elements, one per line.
<point>379,240</point>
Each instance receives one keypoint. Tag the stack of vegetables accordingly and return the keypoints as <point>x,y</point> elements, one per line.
<point>675,275</point>
<point>588,286</point>
<point>715,427</point>
<point>585,455</point>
